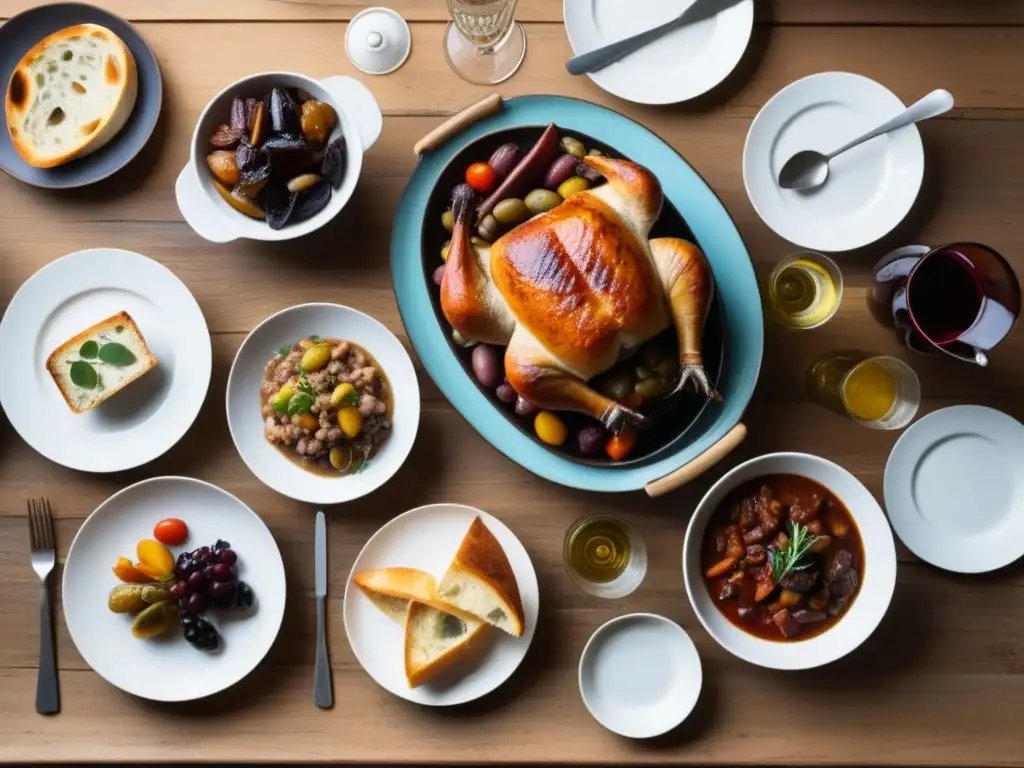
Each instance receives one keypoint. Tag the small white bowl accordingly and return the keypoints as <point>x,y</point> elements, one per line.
<point>878,579</point>
<point>246,421</point>
<point>640,675</point>
<point>359,119</point>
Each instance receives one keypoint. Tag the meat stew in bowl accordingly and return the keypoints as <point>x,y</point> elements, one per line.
<point>326,404</point>
<point>782,558</point>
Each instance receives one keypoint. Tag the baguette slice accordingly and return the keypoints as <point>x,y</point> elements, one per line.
<point>70,95</point>
<point>480,581</point>
<point>112,378</point>
<point>435,640</point>
<point>392,589</point>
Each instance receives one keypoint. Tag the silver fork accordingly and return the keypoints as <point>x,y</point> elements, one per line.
<point>40,526</point>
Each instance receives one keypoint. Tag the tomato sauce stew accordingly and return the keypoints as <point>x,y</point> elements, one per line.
<point>782,557</point>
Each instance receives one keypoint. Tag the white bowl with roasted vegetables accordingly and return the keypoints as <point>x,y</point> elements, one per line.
<point>789,562</point>
<point>276,155</point>
<point>323,403</point>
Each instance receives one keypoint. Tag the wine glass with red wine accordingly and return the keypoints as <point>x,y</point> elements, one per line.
<point>961,299</point>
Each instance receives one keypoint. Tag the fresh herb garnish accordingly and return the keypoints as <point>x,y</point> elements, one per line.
<point>118,328</point>
<point>84,375</point>
<point>284,350</point>
<point>351,399</point>
<point>116,354</point>
<point>89,350</point>
<point>302,401</point>
<point>792,558</point>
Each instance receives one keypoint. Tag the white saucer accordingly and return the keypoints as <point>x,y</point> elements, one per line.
<point>681,65</point>
<point>870,189</point>
<point>954,489</point>
<point>427,538</point>
<point>134,426</point>
<point>167,668</point>
<point>640,675</point>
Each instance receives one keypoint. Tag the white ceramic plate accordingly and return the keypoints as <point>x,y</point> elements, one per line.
<point>166,668</point>
<point>427,538</point>
<point>877,580</point>
<point>681,65</point>
<point>870,189</point>
<point>243,404</point>
<point>954,489</point>
<point>640,675</point>
<point>149,416</point>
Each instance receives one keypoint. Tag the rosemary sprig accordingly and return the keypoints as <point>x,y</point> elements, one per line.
<point>792,557</point>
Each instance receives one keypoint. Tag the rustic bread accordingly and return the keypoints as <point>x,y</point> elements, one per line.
<point>110,355</point>
<point>391,590</point>
<point>70,95</point>
<point>480,581</point>
<point>434,640</point>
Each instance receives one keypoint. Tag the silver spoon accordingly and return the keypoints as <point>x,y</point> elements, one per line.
<point>809,169</point>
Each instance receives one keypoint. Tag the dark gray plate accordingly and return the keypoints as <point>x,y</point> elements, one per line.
<point>19,34</point>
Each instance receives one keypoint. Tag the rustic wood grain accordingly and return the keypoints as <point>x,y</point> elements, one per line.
<point>940,682</point>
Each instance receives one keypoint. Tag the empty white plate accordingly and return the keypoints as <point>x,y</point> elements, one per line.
<point>427,538</point>
<point>640,675</point>
<point>150,415</point>
<point>246,421</point>
<point>166,667</point>
<point>681,65</point>
<point>870,189</point>
<point>954,489</point>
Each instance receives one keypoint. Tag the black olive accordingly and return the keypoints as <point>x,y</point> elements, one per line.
<point>333,166</point>
<point>277,204</point>
<point>311,201</point>
<point>284,114</point>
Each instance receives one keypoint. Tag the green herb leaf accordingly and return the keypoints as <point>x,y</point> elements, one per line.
<point>283,351</point>
<point>300,403</point>
<point>116,354</point>
<point>84,375</point>
<point>349,400</point>
<point>89,350</point>
<point>305,387</point>
<point>792,557</point>
<point>118,328</point>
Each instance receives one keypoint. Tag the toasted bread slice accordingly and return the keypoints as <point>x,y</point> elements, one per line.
<point>434,640</point>
<point>70,95</point>
<point>480,581</point>
<point>108,371</point>
<point>391,590</point>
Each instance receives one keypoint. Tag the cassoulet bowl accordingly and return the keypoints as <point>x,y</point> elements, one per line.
<point>789,561</point>
<point>358,121</point>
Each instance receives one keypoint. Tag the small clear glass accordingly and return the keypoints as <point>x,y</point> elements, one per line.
<point>597,535</point>
<point>484,43</point>
<point>804,290</point>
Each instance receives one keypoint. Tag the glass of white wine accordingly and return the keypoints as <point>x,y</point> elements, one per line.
<point>483,43</point>
<point>804,290</point>
<point>605,556</point>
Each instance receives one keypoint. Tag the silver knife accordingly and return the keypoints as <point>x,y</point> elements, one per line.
<point>599,58</point>
<point>323,695</point>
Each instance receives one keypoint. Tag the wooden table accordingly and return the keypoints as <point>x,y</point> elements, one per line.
<point>941,681</point>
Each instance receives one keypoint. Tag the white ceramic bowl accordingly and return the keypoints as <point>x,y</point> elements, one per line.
<point>878,578</point>
<point>359,119</point>
<point>246,422</point>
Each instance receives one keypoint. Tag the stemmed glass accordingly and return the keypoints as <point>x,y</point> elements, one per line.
<point>483,43</point>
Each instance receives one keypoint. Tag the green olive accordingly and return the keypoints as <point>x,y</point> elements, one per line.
<point>652,389</point>
<point>573,146</point>
<point>643,372</point>
<point>617,384</point>
<point>444,250</point>
<point>597,153</point>
<point>341,457</point>
<point>542,200</point>
<point>511,211</point>
<point>573,186</point>
<point>448,220</point>
<point>489,228</point>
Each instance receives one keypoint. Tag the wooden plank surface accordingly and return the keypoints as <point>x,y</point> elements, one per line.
<point>940,682</point>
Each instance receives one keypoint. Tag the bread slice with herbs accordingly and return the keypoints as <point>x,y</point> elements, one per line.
<point>435,640</point>
<point>480,581</point>
<point>70,95</point>
<point>99,362</point>
<point>392,589</point>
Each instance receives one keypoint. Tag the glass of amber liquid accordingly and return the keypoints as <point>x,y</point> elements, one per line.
<point>605,556</point>
<point>804,290</point>
<point>483,43</point>
<point>878,392</point>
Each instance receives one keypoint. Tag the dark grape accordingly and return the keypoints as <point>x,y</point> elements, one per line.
<point>208,572</point>
<point>244,597</point>
<point>505,393</point>
<point>203,555</point>
<point>195,581</point>
<point>184,566</point>
<point>200,633</point>
<point>222,572</point>
<point>227,556</point>
<point>179,589</point>
<point>195,603</point>
<point>222,591</point>
<point>221,544</point>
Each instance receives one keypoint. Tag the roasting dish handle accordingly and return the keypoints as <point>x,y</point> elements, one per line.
<point>696,467</point>
<point>458,123</point>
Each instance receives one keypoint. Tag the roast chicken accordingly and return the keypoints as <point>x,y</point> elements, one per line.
<point>573,290</point>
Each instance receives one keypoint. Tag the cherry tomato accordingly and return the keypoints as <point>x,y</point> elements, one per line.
<point>620,445</point>
<point>171,531</point>
<point>481,177</point>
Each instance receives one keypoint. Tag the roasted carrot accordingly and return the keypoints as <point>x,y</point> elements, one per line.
<point>619,446</point>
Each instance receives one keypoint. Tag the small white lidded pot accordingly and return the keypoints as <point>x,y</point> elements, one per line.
<point>359,120</point>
